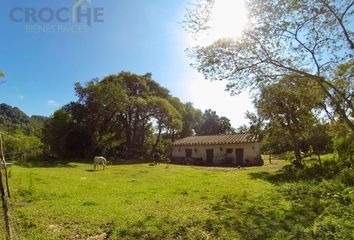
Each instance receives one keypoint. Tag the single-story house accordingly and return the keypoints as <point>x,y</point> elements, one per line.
<point>235,149</point>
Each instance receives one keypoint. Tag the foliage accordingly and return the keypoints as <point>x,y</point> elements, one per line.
<point>319,140</point>
<point>64,137</point>
<point>20,148</point>
<point>192,120</point>
<point>214,125</point>
<point>22,134</point>
<point>325,193</point>
<point>308,39</point>
<point>288,108</point>
<point>13,119</point>
<point>343,141</point>
<point>118,116</point>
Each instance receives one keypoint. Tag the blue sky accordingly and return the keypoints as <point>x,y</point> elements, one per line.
<point>137,35</point>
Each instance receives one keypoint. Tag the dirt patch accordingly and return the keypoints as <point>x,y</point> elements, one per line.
<point>102,236</point>
<point>224,169</point>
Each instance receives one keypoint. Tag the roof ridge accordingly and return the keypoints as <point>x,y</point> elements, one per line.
<point>217,139</point>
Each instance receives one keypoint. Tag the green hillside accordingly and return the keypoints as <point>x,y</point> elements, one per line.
<point>12,119</point>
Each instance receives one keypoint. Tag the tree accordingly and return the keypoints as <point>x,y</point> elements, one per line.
<point>256,124</point>
<point>20,145</point>
<point>98,108</point>
<point>127,113</point>
<point>289,110</point>
<point>309,39</point>
<point>55,132</point>
<point>167,117</point>
<point>117,112</point>
<point>192,120</point>
<point>213,124</point>
<point>343,80</point>
<point>242,129</point>
<point>319,140</point>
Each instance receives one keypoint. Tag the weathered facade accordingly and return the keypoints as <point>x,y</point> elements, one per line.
<point>232,150</point>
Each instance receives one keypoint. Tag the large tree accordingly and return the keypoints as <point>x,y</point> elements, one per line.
<point>289,110</point>
<point>125,101</point>
<point>124,112</point>
<point>306,38</point>
<point>117,112</point>
<point>99,106</point>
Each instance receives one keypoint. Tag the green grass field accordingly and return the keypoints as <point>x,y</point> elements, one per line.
<point>139,201</point>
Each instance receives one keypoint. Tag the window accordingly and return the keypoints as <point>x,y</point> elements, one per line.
<point>229,150</point>
<point>188,153</point>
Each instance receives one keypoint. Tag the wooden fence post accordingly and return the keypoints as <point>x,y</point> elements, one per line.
<point>3,195</point>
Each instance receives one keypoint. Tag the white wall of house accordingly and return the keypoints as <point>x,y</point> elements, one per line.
<point>251,151</point>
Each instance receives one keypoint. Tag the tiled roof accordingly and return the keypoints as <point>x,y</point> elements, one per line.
<point>216,140</point>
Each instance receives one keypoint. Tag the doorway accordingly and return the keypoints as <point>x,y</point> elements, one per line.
<point>210,156</point>
<point>239,156</point>
<point>188,153</point>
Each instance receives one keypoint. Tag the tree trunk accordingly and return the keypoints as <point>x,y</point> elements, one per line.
<point>128,138</point>
<point>297,152</point>
<point>319,160</point>
<point>173,135</point>
<point>142,138</point>
<point>158,138</point>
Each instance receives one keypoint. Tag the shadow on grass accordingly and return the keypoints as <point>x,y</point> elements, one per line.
<point>289,173</point>
<point>49,163</point>
<point>70,163</point>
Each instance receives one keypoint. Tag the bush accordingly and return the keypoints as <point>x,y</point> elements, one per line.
<point>346,176</point>
<point>289,156</point>
<point>260,161</point>
<point>19,147</point>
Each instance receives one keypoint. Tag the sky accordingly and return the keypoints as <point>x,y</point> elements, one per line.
<point>139,36</point>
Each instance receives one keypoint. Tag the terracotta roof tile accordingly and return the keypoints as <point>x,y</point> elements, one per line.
<point>216,139</point>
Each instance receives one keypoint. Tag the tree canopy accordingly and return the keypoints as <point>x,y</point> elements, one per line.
<point>309,39</point>
<point>288,108</point>
<point>126,113</point>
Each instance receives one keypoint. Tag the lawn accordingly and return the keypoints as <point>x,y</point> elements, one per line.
<point>139,201</point>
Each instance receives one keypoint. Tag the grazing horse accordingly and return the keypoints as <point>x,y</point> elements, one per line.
<point>99,160</point>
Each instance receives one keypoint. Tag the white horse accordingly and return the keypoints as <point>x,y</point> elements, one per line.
<point>100,160</point>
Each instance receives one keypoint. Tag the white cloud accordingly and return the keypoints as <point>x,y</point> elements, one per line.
<point>21,97</point>
<point>52,103</point>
